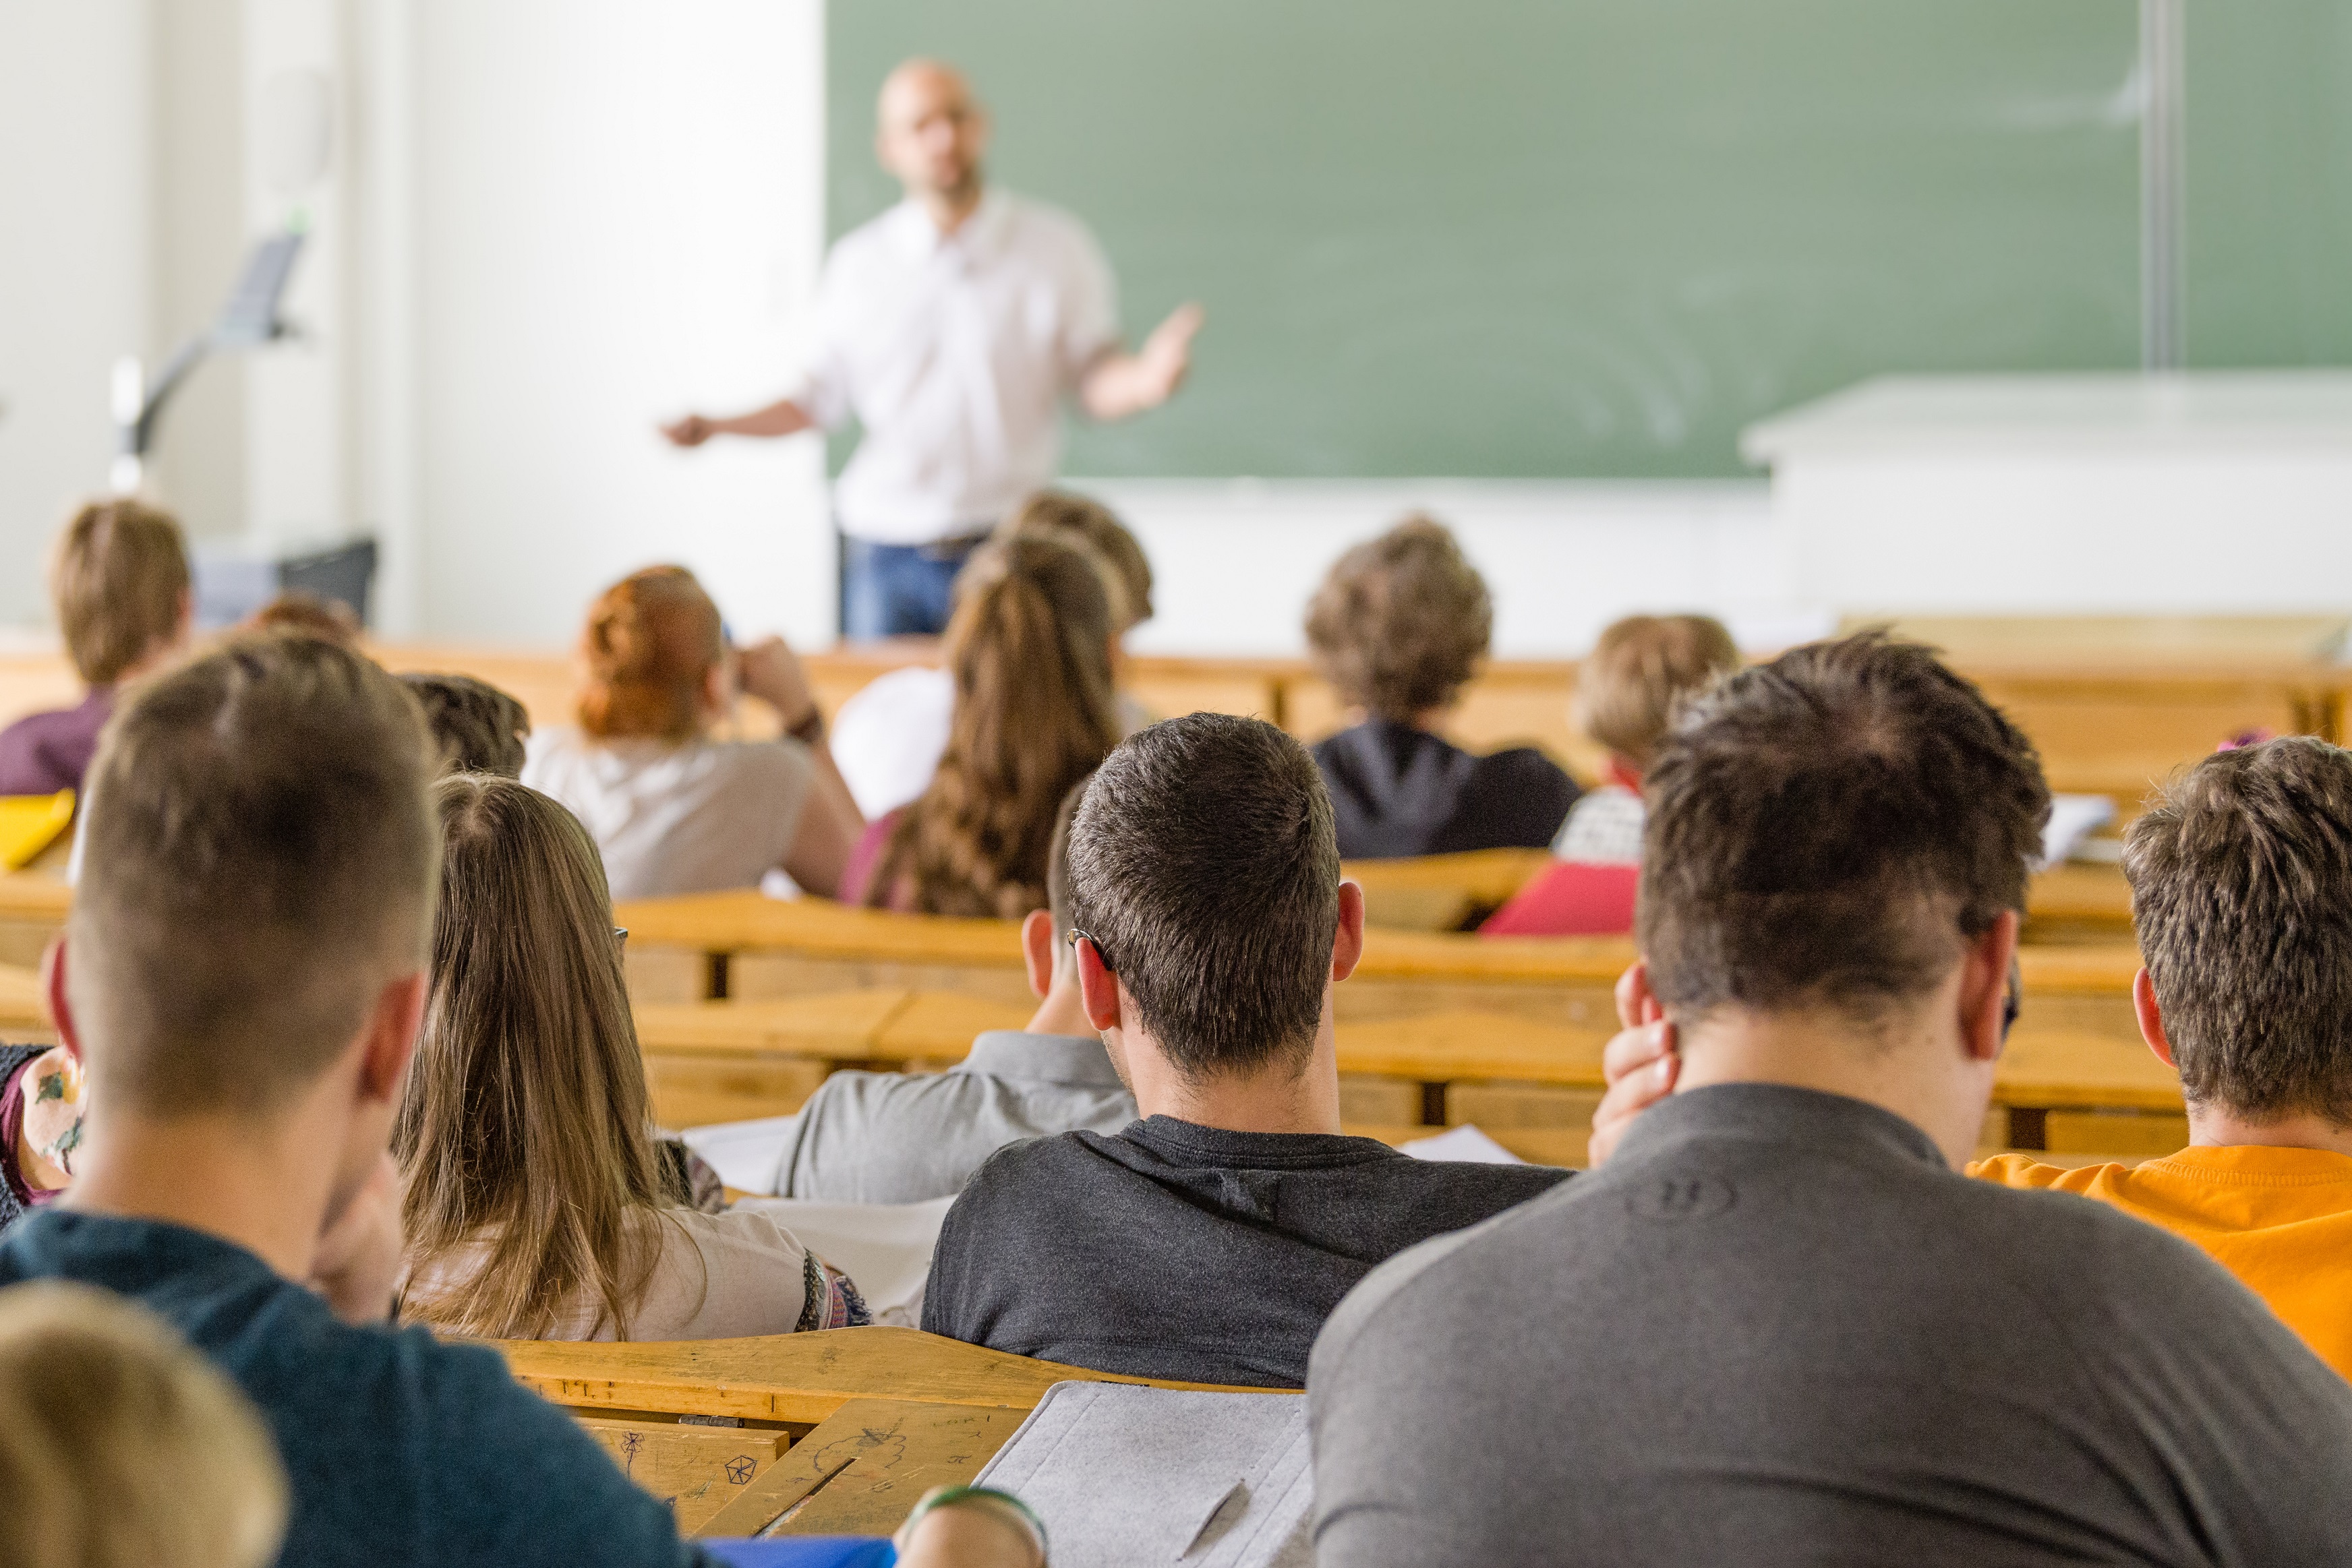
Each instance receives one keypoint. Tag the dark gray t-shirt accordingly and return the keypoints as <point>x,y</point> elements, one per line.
<point>1778,1328</point>
<point>1174,1250</point>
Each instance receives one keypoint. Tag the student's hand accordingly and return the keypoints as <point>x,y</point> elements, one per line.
<point>359,1252</point>
<point>771,672</point>
<point>1641,1067</point>
<point>691,431</point>
<point>50,1136</point>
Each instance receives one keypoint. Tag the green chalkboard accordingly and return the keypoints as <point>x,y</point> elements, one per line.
<point>1548,237</point>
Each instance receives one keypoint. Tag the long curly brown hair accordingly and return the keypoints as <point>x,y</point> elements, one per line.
<point>1029,646</point>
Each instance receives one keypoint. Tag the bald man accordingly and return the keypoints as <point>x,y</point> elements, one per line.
<point>952,326</point>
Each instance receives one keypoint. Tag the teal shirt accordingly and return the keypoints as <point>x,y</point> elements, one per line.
<point>400,1450</point>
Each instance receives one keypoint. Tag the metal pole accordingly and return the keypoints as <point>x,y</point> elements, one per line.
<point>2163,178</point>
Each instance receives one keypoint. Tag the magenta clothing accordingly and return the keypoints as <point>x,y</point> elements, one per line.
<point>858,870</point>
<point>43,753</point>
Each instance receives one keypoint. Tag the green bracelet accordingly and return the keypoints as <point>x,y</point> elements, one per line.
<point>948,1497</point>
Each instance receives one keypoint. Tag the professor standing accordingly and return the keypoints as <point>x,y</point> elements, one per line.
<point>952,326</point>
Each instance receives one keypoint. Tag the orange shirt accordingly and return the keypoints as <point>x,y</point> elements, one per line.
<point>2280,1220</point>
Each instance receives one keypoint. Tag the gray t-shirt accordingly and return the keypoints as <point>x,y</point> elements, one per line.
<point>1778,1328</point>
<point>698,816</point>
<point>897,1137</point>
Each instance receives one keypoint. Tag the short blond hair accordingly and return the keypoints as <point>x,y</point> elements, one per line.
<point>1643,666</point>
<point>258,861</point>
<point>121,1448</point>
<point>118,580</point>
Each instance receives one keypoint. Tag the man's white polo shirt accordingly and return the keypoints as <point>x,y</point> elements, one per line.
<point>954,352</point>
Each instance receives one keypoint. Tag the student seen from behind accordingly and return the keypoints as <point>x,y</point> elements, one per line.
<point>1029,646</point>
<point>1209,1240</point>
<point>535,1204</point>
<point>1626,694</point>
<point>119,1448</point>
<point>479,728</point>
<point>1398,628</point>
<point>1779,1325</point>
<point>900,1138</point>
<point>247,1033</point>
<point>889,737</point>
<point>673,808</point>
<point>120,586</point>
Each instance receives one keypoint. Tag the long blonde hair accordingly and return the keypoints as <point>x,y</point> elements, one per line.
<point>524,1127</point>
<point>1029,646</point>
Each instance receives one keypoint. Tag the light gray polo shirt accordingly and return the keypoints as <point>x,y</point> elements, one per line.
<point>898,1137</point>
<point>1777,1329</point>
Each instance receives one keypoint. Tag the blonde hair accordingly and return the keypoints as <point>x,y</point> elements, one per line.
<point>1400,624</point>
<point>649,644</point>
<point>1029,647</point>
<point>1076,519</point>
<point>119,580</point>
<point>1627,691</point>
<point>523,1130</point>
<point>259,864</point>
<point>121,1448</point>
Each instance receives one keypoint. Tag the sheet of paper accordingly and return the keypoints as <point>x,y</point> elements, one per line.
<point>1466,1143</point>
<point>1124,1475</point>
<point>2072,818</point>
<point>885,1248</point>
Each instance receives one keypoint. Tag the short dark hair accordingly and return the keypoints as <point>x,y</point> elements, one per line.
<point>478,727</point>
<point>1400,624</point>
<point>1204,865</point>
<point>259,860</point>
<point>1058,906</point>
<point>1829,829</point>
<point>2241,891</point>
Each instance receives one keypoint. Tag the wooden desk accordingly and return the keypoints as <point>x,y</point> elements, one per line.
<point>852,1424</point>
<point>2078,903</point>
<point>1438,893</point>
<point>24,1014</point>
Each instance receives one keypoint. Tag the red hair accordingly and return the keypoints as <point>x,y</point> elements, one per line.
<point>649,644</point>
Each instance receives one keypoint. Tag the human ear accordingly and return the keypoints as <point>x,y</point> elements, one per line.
<point>1985,987</point>
<point>1037,936</point>
<point>1636,1003</point>
<point>53,992</point>
<point>1348,941</point>
<point>390,1039</point>
<point>1097,985</point>
<point>2151,1018</point>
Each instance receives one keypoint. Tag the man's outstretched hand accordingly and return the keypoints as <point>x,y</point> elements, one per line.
<point>1126,384</point>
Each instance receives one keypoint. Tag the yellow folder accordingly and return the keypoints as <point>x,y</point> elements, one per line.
<point>31,823</point>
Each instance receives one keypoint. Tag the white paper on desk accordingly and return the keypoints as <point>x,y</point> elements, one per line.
<point>2072,818</point>
<point>885,1248</point>
<point>1124,1475</point>
<point>1465,1144</point>
<point>748,1155</point>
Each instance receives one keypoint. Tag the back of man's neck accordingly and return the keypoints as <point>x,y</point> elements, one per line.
<point>216,1175</point>
<point>1279,1098</point>
<point>1811,1051</point>
<point>2218,1127</point>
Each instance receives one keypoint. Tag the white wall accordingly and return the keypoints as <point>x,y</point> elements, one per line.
<point>1235,560</point>
<point>75,216</point>
<point>200,236</point>
<point>618,216</point>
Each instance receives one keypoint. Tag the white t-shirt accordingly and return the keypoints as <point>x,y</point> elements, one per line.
<point>673,819</point>
<point>954,352</point>
<point>1604,828</point>
<point>889,737</point>
<point>720,1276</point>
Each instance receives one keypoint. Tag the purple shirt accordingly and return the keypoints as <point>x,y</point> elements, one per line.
<point>43,753</point>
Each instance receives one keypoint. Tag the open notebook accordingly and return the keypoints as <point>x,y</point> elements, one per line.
<point>1122,1475</point>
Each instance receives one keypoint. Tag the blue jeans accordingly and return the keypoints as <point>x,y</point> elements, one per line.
<point>898,591</point>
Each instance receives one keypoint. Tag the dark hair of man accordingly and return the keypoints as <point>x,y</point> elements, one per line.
<point>2241,891</point>
<point>478,727</point>
<point>258,863</point>
<point>1204,865</point>
<point>1829,829</point>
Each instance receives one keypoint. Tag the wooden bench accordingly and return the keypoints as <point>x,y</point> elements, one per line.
<point>845,1429</point>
